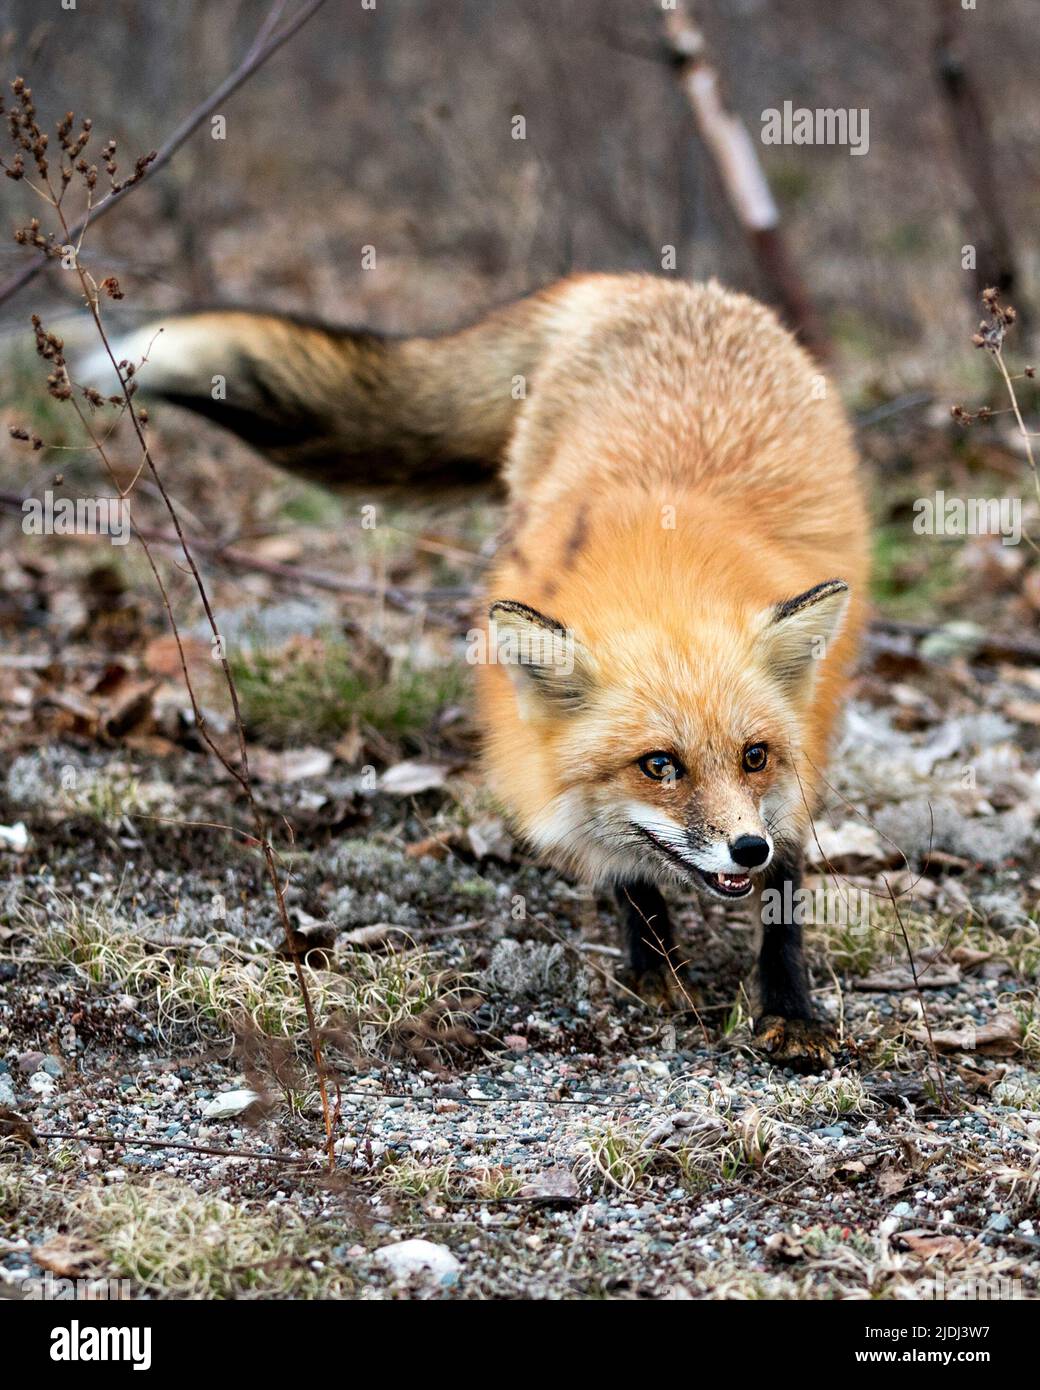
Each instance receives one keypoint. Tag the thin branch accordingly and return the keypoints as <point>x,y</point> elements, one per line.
<point>51,349</point>
<point>920,997</point>
<point>137,1142</point>
<point>258,54</point>
<point>740,171</point>
<point>407,600</point>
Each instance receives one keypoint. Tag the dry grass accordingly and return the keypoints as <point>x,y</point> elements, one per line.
<point>172,1241</point>
<point>415,1177</point>
<point>859,949</point>
<point>692,1147</point>
<point>373,994</point>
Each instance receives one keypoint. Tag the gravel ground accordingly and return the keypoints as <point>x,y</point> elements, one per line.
<point>549,1137</point>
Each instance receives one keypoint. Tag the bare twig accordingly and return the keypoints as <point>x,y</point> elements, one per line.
<point>263,47</point>
<point>972,144</point>
<point>29,136</point>
<point>135,1141</point>
<point>920,996</point>
<point>396,596</point>
<point>747,190</point>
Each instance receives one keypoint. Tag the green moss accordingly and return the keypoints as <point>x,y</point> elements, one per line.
<point>319,693</point>
<point>911,578</point>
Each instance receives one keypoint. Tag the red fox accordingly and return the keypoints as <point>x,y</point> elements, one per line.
<point>677,602</point>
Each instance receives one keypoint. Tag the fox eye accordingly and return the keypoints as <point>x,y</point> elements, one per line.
<point>661,767</point>
<point>755,757</point>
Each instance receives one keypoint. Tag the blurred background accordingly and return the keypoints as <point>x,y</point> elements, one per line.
<point>392,128</point>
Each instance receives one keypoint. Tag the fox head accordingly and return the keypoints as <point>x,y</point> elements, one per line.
<point>671,749</point>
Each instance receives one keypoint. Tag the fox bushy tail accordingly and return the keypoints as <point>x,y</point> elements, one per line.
<point>349,407</point>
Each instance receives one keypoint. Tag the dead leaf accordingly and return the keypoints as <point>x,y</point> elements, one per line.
<point>432,847</point>
<point>374,935</point>
<point>965,956</point>
<point>930,975</point>
<point>67,1256</point>
<point>129,706</point>
<point>162,656</point>
<point>849,845</point>
<point>15,1126</point>
<point>413,776</point>
<point>348,748</point>
<point>891,1178</point>
<point>553,1184</point>
<point>929,1244</point>
<point>488,838</point>
<point>312,941</point>
<point>74,703</point>
<point>294,765</point>
<point>1000,1038</point>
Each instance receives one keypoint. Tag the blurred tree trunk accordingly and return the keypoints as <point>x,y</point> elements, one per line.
<point>987,228</point>
<point>731,148</point>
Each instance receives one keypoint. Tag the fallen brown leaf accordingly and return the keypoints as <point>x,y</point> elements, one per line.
<point>67,1256</point>
<point>294,765</point>
<point>432,847</point>
<point>15,1126</point>
<point>900,977</point>
<point>554,1184</point>
<point>1000,1038</point>
<point>928,1243</point>
<point>891,1178</point>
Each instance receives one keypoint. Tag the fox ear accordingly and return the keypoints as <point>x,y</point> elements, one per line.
<point>547,665</point>
<point>797,633</point>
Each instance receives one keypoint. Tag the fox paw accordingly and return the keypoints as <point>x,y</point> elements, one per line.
<point>805,1044</point>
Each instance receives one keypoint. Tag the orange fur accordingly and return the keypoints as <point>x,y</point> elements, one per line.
<point>681,468</point>
<point>676,467</point>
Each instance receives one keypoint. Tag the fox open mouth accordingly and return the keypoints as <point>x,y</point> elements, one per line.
<point>722,885</point>
<point>727,885</point>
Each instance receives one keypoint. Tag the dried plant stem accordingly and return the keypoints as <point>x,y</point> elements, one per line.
<point>998,357</point>
<point>743,179</point>
<point>264,45</point>
<point>240,772</point>
<point>920,996</point>
<point>135,1141</point>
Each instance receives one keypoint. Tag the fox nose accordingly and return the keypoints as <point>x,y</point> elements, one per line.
<point>749,851</point>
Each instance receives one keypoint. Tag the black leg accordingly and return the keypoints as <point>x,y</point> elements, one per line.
<point>783,981</point>
<point>785,1025</point>
<point>651,945</point>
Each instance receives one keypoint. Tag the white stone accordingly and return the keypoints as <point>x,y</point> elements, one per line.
<point>229,1103</point>
<point>408,1257</point>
